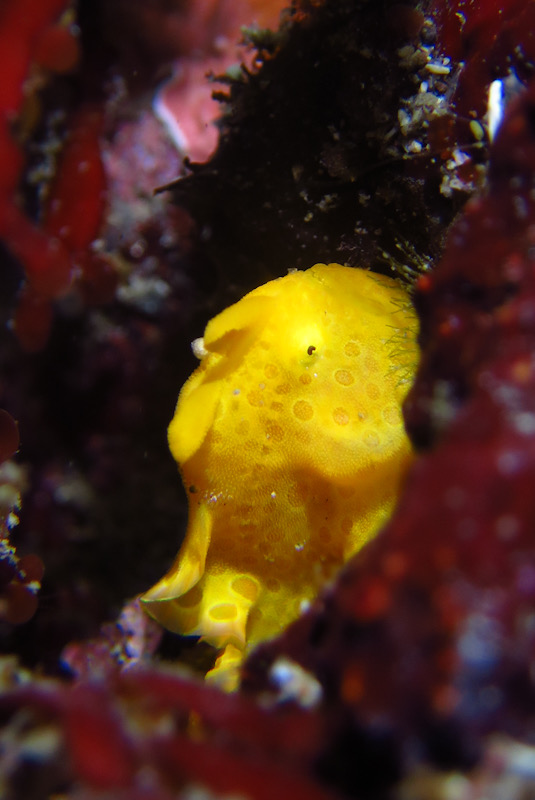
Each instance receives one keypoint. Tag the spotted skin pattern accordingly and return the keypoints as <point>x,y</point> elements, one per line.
<point>290,441</point>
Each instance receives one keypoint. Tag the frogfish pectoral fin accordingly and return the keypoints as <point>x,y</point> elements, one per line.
<point>162,601</point>
<point>227,599</point>
<point>226,671</point>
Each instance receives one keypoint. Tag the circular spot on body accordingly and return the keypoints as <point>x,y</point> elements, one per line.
<point>255,398</point>
<point>303,410</point>
<point>340,416</point>
<point>278,407</point>
<point>271,370</point>
<point>373,391</point>
<point>344,377</point>
<point>392,415</point>
<point>190,599</point>
<point>246,587</point>
<point>371,364</point>
<point>305,378</point>
<point>223,611</point>
<point>283,388</point>
<point>352,348</point>
<point>274,432</point>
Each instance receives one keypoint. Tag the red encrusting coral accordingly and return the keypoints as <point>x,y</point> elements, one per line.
<point>485,37</point>
<point>75,205</point>
<point>20,26</point>
<point>479,44</point>
<point>57,49</point>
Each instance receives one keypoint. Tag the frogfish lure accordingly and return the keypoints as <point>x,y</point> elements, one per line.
<point>290,441</point>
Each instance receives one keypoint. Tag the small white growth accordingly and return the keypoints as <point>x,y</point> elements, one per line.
<point>509,462</point>
<point>199,350</point>
<point>144,292</point>
<point>12,520</point>
<point>522,760</point>
<point>437,68</point>
<point>196,792</point>
<point>495,107</point>
<point>477,130</point>
<point>294,683</point>
<point>524,423</point>
<point>415,147</point>
<point>168,119</point>
<point>75,491</point>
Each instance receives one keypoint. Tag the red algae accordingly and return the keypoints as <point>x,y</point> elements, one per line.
<point>136,723</point>
<point>30,35</point>
<point>21,23</point>
<point>98,747</point>
<point>57,49</point>
<point>75,206</point>
<point>45,262</point>
<point>485,37</point>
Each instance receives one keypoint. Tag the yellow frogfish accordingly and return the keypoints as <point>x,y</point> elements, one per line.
<point>290,440</point>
